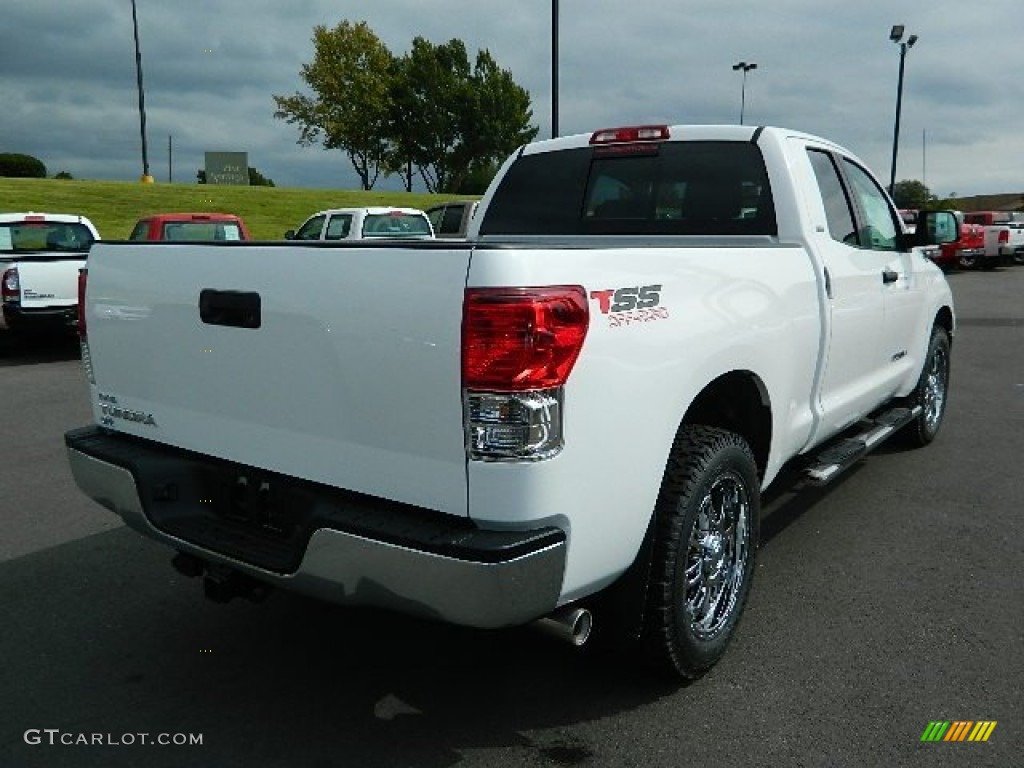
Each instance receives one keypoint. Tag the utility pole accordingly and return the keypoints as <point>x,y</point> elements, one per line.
<point>554,69</point>
<point>146,178</point>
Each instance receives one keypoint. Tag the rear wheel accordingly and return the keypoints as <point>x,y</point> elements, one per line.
<point>931,392</point>
<point>705,541</point>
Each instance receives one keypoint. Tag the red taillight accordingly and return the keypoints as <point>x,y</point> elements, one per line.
<point>10,287</point>
<point>517,339</point>
<point>83,276</point>
<point>632,133</point>
<point>1004,236</point>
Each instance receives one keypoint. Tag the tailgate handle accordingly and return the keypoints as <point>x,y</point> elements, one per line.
<point>240,309</point>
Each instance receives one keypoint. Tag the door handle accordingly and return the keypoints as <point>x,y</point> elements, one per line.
<point>889,276</point>
<point>240,309</point>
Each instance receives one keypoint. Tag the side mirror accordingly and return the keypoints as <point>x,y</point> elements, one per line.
<point>935,228</point>
<point>289,235</point>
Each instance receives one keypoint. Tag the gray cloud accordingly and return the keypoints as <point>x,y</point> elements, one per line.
<point>67,76</point>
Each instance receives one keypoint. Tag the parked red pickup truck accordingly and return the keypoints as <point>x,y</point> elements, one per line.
<point>966,252</point>
<point>190,227</point>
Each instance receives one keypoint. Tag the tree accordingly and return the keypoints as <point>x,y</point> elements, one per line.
<point>63,175</point>
<point>497,122</point>
<point>350,77</point>
<point>257,179</point>
<point>437,79</point>
<point>459,119</point>
<point>911,193</point>
<point>402,129</point>
<point>15,165</point>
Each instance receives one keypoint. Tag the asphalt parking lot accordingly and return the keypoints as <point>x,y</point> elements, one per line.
<point>889,600</point>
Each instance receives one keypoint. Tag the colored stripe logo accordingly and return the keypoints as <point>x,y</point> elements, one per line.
<point>958,730</point>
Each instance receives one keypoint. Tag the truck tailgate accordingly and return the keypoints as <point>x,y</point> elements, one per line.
<point>48,281</point>
<point>335,364</point>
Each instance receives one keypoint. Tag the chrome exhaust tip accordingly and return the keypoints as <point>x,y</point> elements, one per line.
<point>570,623</point>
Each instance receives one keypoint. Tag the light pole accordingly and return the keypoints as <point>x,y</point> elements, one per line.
<point>146,178</point>
<point>744,67</point>
<point>554,69</point>
<point>896,35</point>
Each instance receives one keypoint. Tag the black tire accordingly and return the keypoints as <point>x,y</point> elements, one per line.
<point>705,541</point>
<point>931,392</point>
<point>1018,258</point>
<point>967,262</point>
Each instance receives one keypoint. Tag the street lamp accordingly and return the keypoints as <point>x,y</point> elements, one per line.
<point>146,178</point>
<point>744,67</point>
<point>896,35</point>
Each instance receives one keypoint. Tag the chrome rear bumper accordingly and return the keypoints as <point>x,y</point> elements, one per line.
<point>490,579</point>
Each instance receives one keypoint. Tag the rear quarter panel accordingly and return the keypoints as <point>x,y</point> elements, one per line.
<point>721,309</point>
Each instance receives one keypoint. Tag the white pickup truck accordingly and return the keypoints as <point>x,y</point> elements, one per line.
<point>40,257</point>
<point>1004,236</point>
<point>568,417</point>
<point>363,223</point>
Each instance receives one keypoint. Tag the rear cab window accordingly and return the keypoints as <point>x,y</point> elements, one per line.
<point>199,231</point>
<point>668,188</point>
<point>47,236</point>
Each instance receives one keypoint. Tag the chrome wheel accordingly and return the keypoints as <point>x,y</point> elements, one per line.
<point>716,558</point>
<point>704,549</point>
<point>933,397</point>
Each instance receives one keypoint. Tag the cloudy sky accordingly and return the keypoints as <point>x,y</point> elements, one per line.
<point>68,91</point>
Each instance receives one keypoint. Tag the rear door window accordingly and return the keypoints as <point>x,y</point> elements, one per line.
<point>396,224</point>
<point>338,226</point>
<point>838,209</point>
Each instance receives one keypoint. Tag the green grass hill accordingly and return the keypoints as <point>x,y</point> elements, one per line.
<point>114,206</point>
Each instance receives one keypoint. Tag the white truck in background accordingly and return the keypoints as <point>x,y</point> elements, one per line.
<point>1004,236</point>
<point>40,257</point>
<point>364,223</point>
<point>568,417</point>
<point>452,218</point>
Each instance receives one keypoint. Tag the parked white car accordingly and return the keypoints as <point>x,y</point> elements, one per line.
<point>361,223</point>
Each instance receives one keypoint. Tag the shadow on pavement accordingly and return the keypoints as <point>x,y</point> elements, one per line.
<point>32,351</point>
<point>102,636</point>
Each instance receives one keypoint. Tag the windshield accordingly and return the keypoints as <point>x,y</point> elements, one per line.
<point>44,236</point>
<point>396,224</point>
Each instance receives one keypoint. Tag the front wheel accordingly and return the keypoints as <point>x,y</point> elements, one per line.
<point>931,392</point>
<point>706,525</point>
<point>967,261</point>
